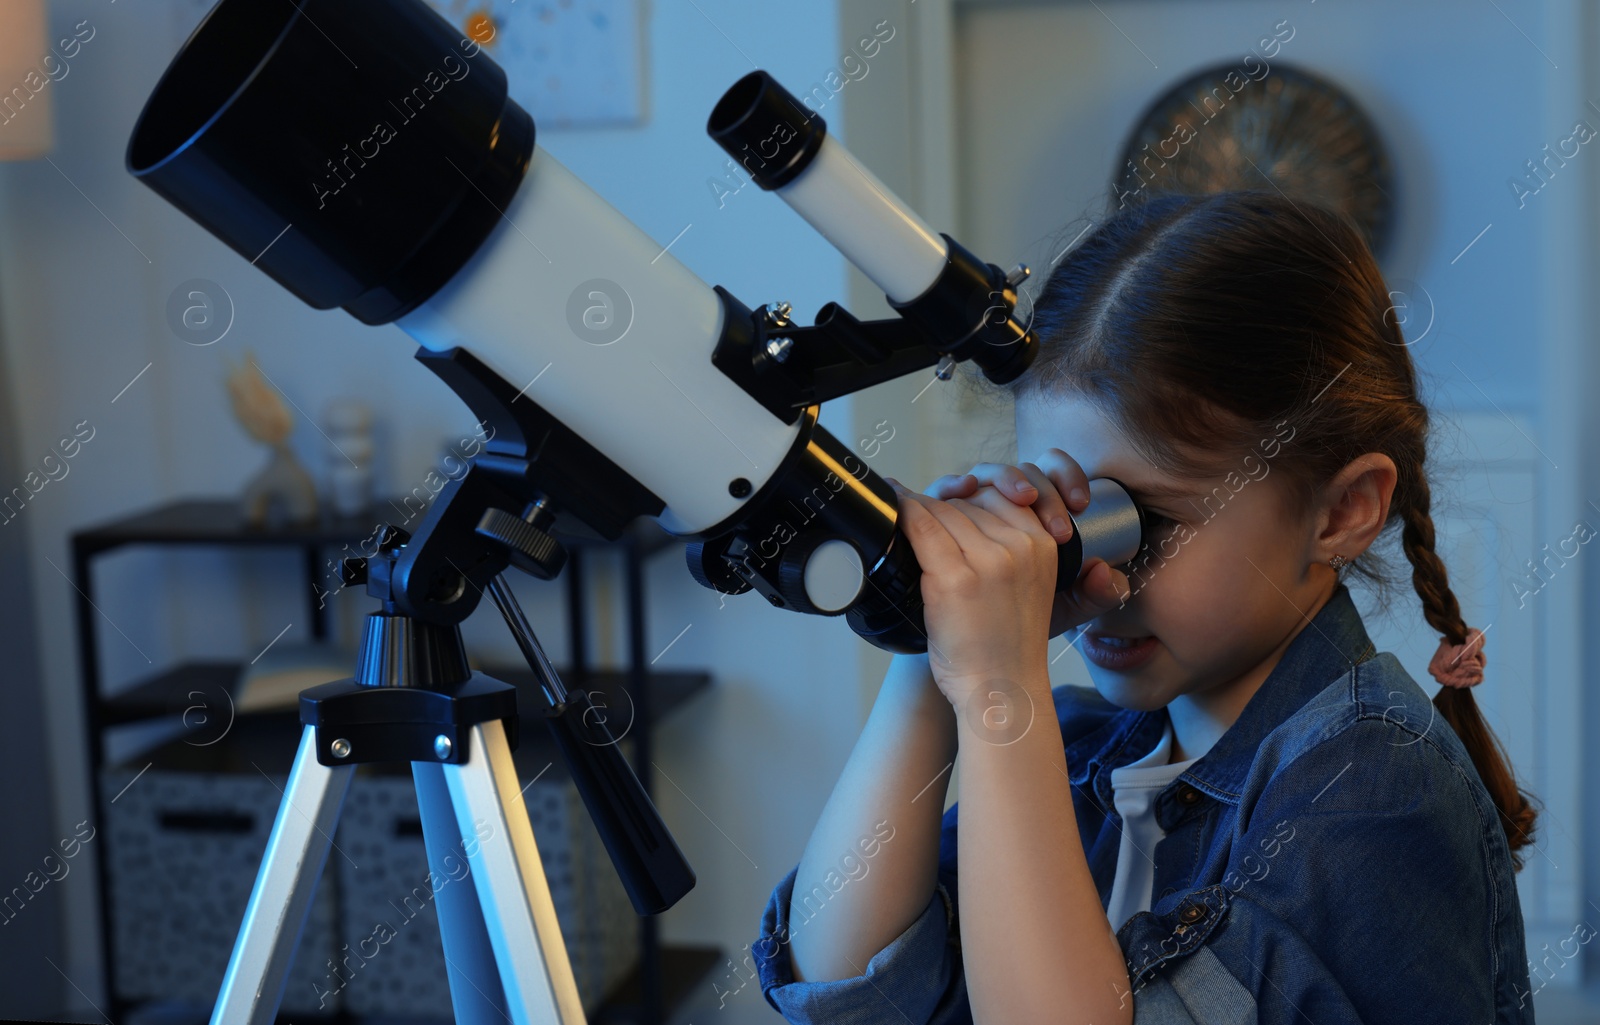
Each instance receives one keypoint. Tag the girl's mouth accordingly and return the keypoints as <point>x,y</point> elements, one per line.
<point>1121,654</point>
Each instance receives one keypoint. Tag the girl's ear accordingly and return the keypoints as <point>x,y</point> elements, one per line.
<point>1355,506</point>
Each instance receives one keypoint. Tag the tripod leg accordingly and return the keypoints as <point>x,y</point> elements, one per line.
<point>296,852</point>
<point>512,890</point>
<point>476,994</point>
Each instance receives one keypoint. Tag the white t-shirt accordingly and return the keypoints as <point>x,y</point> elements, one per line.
<point>1134,786</point>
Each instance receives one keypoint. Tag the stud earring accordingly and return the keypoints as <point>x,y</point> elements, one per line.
<point>1338,562</point>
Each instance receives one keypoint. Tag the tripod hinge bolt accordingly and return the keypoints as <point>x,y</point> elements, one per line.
<point>340,748</point>
<point>441,746</point>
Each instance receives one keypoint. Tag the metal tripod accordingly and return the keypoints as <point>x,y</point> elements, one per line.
<point>415,699</point>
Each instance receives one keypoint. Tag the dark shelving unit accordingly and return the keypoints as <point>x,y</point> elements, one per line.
<point>664,975</point>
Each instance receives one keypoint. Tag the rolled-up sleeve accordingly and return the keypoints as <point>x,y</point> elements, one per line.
<point>1197,991</point>
<point>917,978</point>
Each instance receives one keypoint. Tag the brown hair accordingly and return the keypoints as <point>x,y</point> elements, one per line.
<point>1200,322</point>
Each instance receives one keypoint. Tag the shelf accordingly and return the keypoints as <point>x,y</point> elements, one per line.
<point>682,969</point>
<point>217,521</point>
<point>268,739</point>
<point>169,692</point>
<point>669,688</point>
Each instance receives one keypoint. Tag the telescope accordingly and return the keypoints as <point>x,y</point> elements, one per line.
<point>366,156</point>
<point>408,188</point>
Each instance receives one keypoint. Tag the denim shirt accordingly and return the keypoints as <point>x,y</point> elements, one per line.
<point>1333,858</point>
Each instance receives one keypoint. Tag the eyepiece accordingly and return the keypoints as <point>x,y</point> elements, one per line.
<point>1111,528</point>
<point>771,134</point>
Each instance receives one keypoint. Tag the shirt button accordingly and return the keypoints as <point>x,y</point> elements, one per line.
<point>1188,795</point>
<point>1167,892</point>
<point>1192,914</point>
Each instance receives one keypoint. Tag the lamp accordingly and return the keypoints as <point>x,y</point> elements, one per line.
<point>27,126</point>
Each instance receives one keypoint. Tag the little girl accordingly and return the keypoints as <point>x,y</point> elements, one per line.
<point>1258,817</point>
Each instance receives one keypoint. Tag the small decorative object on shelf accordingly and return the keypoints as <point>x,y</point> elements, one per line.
<point>282,492</point>
<point>349,426</point>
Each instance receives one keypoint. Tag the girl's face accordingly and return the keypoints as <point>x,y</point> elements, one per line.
<point>1228,577</point>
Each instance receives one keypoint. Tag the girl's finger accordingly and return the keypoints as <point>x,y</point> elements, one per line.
<point>1005,513</point>
<point>1068,477</point>
<point>1098,590</point>
<point>935,548</point>
<point>954,515</point>
<point>1036,489</point>
<point>953,485</point>
<point>1001,523</point>
<point>1051,507</point>
<point>1008,480</point>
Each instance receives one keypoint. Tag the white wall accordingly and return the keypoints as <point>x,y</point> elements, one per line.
<point>88,258</point>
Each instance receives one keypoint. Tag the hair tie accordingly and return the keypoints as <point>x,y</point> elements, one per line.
<point>1459,665</point>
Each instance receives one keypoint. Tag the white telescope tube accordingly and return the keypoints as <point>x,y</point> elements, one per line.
<point>866,222</point>
<point>628,367</point>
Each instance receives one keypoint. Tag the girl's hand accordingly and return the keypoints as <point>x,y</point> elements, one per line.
<point>1053,486</point>
<point>988,577</point>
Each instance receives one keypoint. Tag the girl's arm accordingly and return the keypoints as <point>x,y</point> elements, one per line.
<point>893,787</point>
<point>1035,939</point>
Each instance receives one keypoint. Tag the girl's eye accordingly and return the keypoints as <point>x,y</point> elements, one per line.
<point>1158,528</point>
